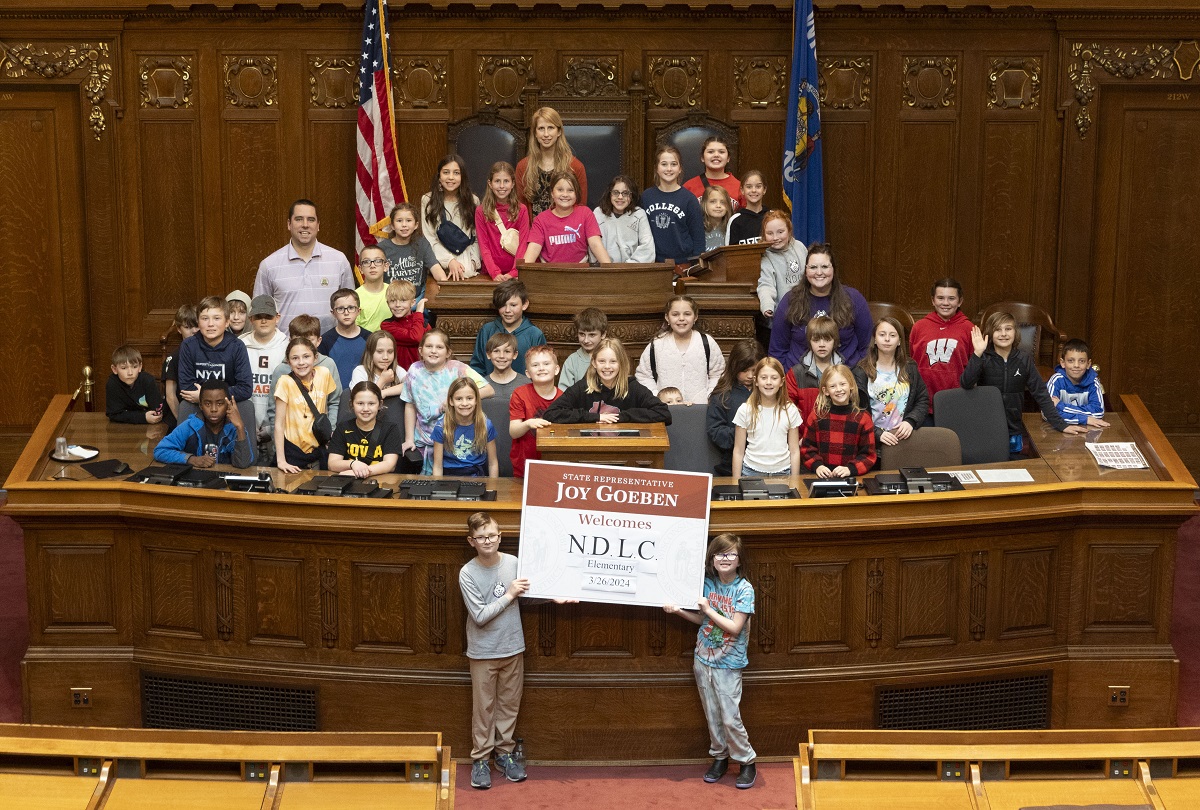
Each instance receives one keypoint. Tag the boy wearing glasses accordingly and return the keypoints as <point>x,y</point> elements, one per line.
<point>372,294</point>
<point>496,649</point>
<point>345,343</point>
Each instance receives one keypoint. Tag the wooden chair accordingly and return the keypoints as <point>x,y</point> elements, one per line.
<point>881,308</point>
<point>483,139</point>
<point>603,123</point>
<point>1039,336</point>
<point>687,134</point>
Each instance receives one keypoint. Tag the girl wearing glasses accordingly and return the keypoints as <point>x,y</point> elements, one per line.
<point>724,618</point>
<point>624,227</point>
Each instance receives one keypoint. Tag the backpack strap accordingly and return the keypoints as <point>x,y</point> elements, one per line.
<point>304,393</point>
<point>653,362</point>
<point>704,179</point>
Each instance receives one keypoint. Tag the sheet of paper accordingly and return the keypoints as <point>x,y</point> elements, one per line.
<point>1018,476</point>
<point>1117,455</point>
<point>963,476</point>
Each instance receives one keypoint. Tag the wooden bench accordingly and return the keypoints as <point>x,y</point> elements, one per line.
<point>52,767</point>
<point>1156,769</point>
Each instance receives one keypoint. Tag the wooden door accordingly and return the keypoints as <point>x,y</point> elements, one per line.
<point>1146,276</point>
<point>43,329</point>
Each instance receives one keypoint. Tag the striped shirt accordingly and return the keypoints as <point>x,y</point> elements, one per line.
<point>304,287</point>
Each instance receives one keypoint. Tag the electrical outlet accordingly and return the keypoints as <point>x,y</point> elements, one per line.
<point>81,697</point>
<point>1118,696</point>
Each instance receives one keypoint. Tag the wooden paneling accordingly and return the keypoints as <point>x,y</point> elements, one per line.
<point>275,606</point>
<point>171,579</point>
<point>384,607</point>
<point>1027,586</point>
<point>169,197</point>
<point>77,590</point>
<point>821,608</point>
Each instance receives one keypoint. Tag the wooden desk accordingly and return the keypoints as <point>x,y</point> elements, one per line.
<point>564,443</point>
<point>129,769</point>
<point>1067,580</point>
<point>998,770</point>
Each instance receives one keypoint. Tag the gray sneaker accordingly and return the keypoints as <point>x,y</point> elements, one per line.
<point>481,774</point>
<point>513,770</point>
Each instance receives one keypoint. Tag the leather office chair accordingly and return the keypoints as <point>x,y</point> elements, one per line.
<point>926,447</point>
<point>496,409</point>
<point>690,449</point>
<point>977,416</point>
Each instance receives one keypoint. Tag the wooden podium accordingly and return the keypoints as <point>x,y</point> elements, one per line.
<point>571,443</point>
<point>631,295</point>
<point>727,293</point>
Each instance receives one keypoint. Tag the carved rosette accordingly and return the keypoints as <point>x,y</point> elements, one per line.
<point>1015,83</point>
<point>764,607</point>
<point>845,82</point>
<point>547,629</point>
<point>930,82</point>
<point>874,602</point>
<point>658,633</point>
<point>36,60</point>
<point>979,575</point>
<point>588,77</point>
<point>332,82</point>
<point>420,82</point>
<point>1121,62</point>
<point>502,79</point>
<point>329,603</point>
<point>165,82</point>
<point>437,606</point>
<point>674,81</point>
<point>251,81</point>
<point>224,577</point>
<point>759,82</point>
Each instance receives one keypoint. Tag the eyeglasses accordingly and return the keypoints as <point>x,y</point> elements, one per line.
<point>728,555</point>
<point>622,193</point>
<point>485,538</point>
<point>345,310</point>
<point>372,262</point>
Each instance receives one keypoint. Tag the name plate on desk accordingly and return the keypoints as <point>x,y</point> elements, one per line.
<point>614,535</point>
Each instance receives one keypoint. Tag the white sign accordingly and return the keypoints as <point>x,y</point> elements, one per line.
<point>614,534</point>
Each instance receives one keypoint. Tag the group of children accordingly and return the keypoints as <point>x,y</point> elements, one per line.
<point>414,408</point>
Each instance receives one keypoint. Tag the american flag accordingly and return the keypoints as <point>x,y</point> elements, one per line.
<point>379,182</point>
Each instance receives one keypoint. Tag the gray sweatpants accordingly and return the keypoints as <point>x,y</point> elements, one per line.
<point>721,696</point>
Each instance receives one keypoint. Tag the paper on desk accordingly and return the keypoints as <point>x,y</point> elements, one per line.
<point>963,476</point>
<point>1018,476</point>
<point>1117,455</point>
<point>82,452</point>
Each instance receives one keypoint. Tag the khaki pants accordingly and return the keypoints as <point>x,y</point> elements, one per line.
<point>496,687</point>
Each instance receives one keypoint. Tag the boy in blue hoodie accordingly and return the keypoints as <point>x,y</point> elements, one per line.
<point>1075,387</point>
<point>511,299</point>
<point>214,354</point>
<point>215,434</point>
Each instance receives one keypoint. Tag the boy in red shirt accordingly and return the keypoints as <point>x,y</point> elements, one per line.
<point>940,342</point>
<point>528,403</point>
<point>407,324</point>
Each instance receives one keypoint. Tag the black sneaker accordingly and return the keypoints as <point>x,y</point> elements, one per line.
<point>716,770</point>
<point>746,776</point>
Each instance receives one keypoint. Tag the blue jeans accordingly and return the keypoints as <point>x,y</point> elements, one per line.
<point>750,472</point>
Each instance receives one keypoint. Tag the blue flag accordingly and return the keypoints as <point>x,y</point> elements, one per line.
<point>803,186</point>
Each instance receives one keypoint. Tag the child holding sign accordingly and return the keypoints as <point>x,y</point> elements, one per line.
<point>724,619</point>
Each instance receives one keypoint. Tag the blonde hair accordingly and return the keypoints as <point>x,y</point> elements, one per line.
<point>824,403</point>
<point>451,417</point>
<point>400,290</point>
<point>662,150</point>
<point>781,399</point>
<point>710,223</point>
<point>562,150</point>
<point>621,386</point>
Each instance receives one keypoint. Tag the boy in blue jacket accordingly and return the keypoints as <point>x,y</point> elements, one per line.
<point>1075,387</point>
<point>215,434</point>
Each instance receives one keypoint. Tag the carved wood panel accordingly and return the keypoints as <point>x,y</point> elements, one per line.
<point>675,82</point>
<point>54,61</point>
<point>605,631</point>
<point>223,576</point>
<point>1028,600</point>
<point>927,612</point>
<point>165,82</point>
<point>437,606</point>
<point>845,81</point>
<point>820,607</point>
<point>77,589</point>
<point>1015,83</point>
<point>332,81</point>
<point>253,213</point>
<point>1121,585</point>
<point>329,603</point>
<point>171,585</point>
<point>419,80</point>
<point>930,82</point>
<point>275,591</point>
<point>502,78</point>
<point>760,82</point>
<point>250,81</point>
<point>384,607</point>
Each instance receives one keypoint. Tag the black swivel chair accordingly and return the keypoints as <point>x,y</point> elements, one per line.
<point>690,449</point>
<point>977,416</point>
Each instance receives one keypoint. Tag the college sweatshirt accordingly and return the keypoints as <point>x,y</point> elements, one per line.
<point>940,346</point>
<point>676,222</point>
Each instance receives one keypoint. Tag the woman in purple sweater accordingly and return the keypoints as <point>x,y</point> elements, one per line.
<point>820,293</point>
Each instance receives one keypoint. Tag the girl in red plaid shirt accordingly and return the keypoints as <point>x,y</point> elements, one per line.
<point>839,437</point>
